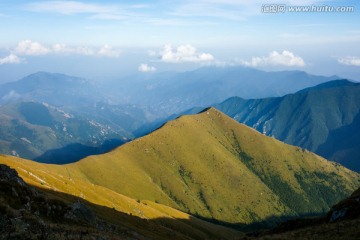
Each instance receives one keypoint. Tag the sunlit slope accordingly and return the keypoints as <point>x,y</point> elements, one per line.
<point>210,165</point>
<point>65,179</point>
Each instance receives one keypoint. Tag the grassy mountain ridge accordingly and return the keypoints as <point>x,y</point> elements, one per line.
<point>209,165</point>
<point>314,118</point>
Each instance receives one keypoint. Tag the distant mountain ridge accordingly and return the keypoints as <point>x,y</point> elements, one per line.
<point>53,88</point>
<point>31,129</point>
<point>170,93</point>
<point>323,119</point>
<point>131,107</point>
<point>35,110</point>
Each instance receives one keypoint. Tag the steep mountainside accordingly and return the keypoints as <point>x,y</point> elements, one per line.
<point>56,206</point>
<point>324,119</point>
<point>211,166</point>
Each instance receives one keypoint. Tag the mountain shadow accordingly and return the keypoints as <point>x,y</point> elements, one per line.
<point>29,212</point>
<point>346,151</point>
<point>341,222</point>
<point>76,151</point>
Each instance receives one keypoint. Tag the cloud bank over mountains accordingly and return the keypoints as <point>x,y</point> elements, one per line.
<point>31,48</point>
<point>181,53</point>
<point>284,58</point>
<point>350,60</point>
<point>10,59</point>
<point>146,68</point>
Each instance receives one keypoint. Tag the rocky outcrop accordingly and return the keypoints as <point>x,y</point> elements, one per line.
<point>346,209</point>
<point>29,213</point>
<point>8,174</point>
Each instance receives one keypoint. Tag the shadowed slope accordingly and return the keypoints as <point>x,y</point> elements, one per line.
<point>28,212</point>
<point>152,217</point>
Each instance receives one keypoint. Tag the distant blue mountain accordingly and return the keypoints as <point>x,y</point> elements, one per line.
<point>169,93</point>
<point>53,88</point>
<point>77,96</point>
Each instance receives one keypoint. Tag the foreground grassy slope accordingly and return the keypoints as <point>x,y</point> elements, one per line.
<point>58,179</point>
<point>210,165</point>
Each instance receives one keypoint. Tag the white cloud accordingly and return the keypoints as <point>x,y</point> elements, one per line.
<point>108,51</point>
<point>146,68</point>
<point>28,47</point>
<point>182,53</point>
<point>285,58</point>
<point>351,61</point>
<point>11,59</point>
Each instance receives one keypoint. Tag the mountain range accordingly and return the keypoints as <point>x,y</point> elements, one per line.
<point>206,165</point>
<point>76,96</point>
<point>323,119</point>
<point>191,173</point>
<point>35,130</point>
<point>170,92</point>
<point>126,110</point>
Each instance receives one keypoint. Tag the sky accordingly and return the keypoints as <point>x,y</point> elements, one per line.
<point>107,40</point>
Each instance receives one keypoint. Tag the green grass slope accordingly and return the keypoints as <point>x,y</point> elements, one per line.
<point>210,165</point>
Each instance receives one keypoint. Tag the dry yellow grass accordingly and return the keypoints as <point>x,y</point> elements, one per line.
<point>60,179</point>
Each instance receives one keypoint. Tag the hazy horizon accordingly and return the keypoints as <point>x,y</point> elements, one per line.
<point>107,40</point>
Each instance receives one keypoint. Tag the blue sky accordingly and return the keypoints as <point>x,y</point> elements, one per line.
<point>110,39</point>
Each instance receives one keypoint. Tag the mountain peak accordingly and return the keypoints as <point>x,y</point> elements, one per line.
<point>186,161</point>
<point>331,84</point>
